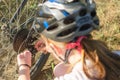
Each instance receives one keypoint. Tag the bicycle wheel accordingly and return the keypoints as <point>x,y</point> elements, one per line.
<point>16,23</point>
<point>21,43</point>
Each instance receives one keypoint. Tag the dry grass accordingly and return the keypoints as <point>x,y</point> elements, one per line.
<point>108,12</point>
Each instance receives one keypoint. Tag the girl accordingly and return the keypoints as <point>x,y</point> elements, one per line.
<point>66,34</point>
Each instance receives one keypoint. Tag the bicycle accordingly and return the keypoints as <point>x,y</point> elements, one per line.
<point>24,36</point>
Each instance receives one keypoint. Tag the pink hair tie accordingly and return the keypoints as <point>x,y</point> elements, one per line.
<point>76,44</point>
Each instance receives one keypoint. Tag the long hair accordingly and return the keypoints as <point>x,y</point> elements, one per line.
<point>98,52</point>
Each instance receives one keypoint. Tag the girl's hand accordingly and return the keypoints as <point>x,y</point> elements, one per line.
<point>24,58</point>
<point>24,63</point>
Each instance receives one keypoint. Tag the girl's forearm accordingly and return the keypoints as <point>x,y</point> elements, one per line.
<point>24,73</point>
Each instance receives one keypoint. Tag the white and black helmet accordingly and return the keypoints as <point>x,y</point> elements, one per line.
<point>64,20</point>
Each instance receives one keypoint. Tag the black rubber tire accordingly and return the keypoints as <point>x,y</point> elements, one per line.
<point>36,69</point>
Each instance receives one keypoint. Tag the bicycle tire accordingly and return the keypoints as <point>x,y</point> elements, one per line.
<point>39,63</point>
<point>35,72</point>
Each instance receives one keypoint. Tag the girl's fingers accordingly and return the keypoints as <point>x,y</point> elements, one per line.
<point>19,58</point>
<point>27,54</point>
<point>24,58</point>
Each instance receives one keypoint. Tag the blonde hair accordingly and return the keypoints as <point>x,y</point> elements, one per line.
<point>107,62</point>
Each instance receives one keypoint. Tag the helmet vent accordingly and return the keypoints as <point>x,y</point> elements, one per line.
<point>85,27</point>
<point>67,32</point>
<point>96,22</point>
<point>93,13</point>
<point>52,27</point>
<point>75,0</point>
<point>82,12</point>
<point>69,20</point>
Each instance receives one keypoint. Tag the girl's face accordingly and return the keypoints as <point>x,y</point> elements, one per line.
<point>58,49</point>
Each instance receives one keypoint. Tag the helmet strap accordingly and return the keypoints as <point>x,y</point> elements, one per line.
<point>73,45</point>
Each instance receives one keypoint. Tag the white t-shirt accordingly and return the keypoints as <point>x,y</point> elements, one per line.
<point>77,72</point>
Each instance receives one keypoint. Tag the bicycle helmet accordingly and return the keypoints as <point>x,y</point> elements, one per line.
<point>64,20</point>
